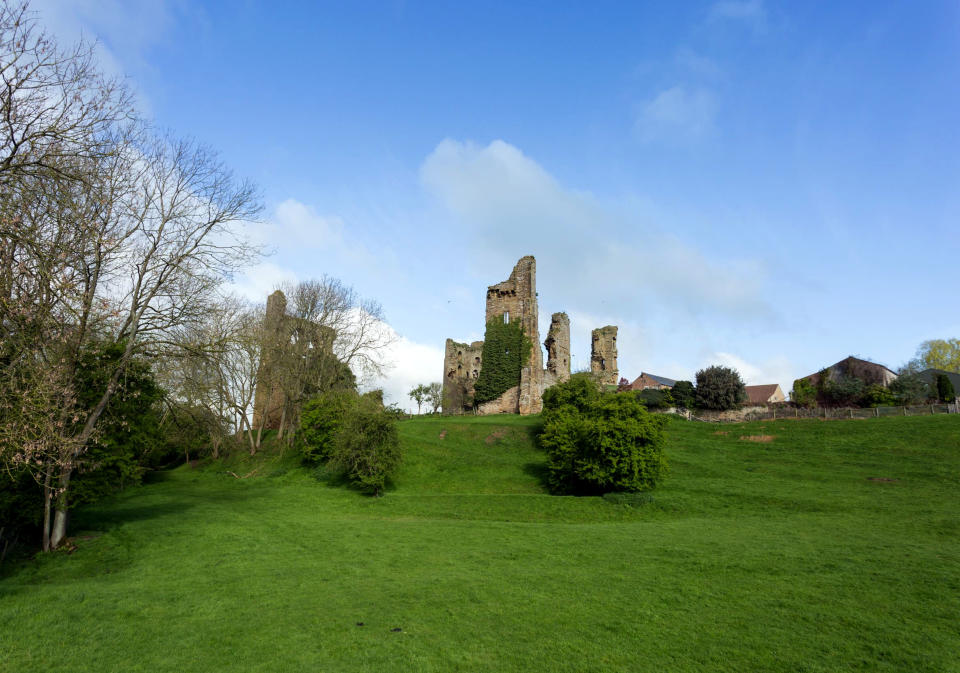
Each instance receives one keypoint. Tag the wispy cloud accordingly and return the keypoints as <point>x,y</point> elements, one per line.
<point>752,12</point>
<point>512,206</point>
<point>678,114</point>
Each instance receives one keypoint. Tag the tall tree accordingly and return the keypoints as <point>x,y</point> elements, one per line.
<point>108,235</point>
<point>419,395</point>
<point>938,354</point>
<point>435,395</point>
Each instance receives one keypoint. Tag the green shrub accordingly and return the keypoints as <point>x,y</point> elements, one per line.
<point>367,447</point>
<point>945,390</point>
<point>720,388</point>
<point>803,393</point>
<point>652,398</point>
<point>320,421</point>
<point>877,395</point>
<point>683,394</point>
<point>608,443</point>
<point>506,350</point>
<point>909,388</point>
<point>845,391</point>
<point>579,391</point>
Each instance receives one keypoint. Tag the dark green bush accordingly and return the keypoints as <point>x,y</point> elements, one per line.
<point>910,388</point>
<point>506,350</point>
<point>609,443</point>
<point>720,388</point>
<point>652,398</point>
<point>352,435</point>
<point>803,393</point>
<point>367,447</point>
<point>945,390</point>
<point>683,394</point>
<point>320,421</point>
<point>844,391</point>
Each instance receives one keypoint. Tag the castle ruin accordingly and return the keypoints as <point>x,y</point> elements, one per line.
<point>285,339</point>
<point>603,355</point>
<point>515,300</point>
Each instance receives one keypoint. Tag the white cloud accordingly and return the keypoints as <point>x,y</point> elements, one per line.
<point>259,281</point>
<point>414,363</point>
<point>679,113</point>
<point>774,370</point>
<point>511,207</point>
<point>124,30</point>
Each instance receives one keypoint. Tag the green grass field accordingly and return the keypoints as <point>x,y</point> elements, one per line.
<point>833,546</point>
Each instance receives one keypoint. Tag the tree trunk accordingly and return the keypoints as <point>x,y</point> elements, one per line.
<point>246,428</point>
<point>214,445</point>
<point>59,531</point>
<point>46,512</point>
<point>283,419</point>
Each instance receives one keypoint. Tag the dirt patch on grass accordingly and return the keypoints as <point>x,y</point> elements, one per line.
<point>757,438</point>
<point>443,433</point>
<point>495,436</point>
<point>722,432</point>
<point>883,480</point>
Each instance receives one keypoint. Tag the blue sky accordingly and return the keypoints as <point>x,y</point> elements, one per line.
<point>772,186</point>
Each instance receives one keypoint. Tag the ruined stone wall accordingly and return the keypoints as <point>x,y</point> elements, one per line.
<point>513,299</point>
<point>286,337</point>
<point>268,397</point>
<point>461,367</point>
<point>557,344</point>
<point>603,355</point>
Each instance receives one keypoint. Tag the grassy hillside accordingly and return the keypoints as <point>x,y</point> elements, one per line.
<point>783,546</point>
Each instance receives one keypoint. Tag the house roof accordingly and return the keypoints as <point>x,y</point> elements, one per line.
<point>930,375</point>
<point>762,393</point>
<point>662,380</point>
<point>848,363</point>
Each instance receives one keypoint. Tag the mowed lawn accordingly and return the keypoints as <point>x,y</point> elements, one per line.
<point>829,546</point>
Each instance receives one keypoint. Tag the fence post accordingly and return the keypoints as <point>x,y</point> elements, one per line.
<point>904,409</point>
<point>877,411</point>
<point>851,412</point>
<point>931,410</point>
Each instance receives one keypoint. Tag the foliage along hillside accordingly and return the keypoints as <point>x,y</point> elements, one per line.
<point>775,546</point>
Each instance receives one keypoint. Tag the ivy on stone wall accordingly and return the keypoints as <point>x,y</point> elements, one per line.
<point>506,350</point>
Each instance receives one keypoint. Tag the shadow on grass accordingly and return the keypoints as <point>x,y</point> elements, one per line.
<point>540,472</point>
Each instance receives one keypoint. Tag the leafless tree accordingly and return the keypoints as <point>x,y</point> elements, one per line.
<point>328,319</point>
<point>55,105</point>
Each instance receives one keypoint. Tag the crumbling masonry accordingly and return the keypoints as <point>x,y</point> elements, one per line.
<point>603,355</point>
<point>515,299</point>
<point>283,336</point>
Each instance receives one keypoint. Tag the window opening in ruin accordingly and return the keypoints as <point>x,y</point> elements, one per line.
<point>603,363</point>
<point>506,317</point>
<point>475,373</point>
<point>450,374</point>
<point>476,361</point>
<point>459,353</point>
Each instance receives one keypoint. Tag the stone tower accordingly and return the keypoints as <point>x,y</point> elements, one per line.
<point>557,344</point>
<point>268,399</point>
<point>513,299</point>
<point>603,355</point>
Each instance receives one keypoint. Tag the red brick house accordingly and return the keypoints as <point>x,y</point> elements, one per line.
<point>646,380</point>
